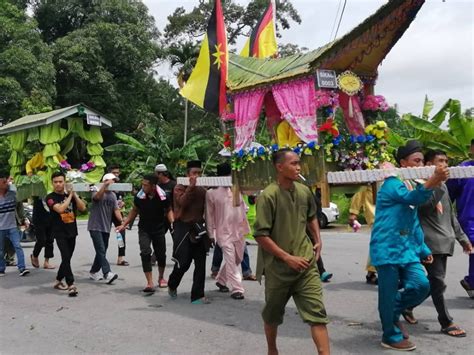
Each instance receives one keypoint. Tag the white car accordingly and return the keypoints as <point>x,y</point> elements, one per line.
<point>330,215</point>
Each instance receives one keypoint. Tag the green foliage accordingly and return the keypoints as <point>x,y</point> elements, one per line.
<point>26,68</point>
<point>455,140</point>
<point>240,20</point>
<point>104,53</point>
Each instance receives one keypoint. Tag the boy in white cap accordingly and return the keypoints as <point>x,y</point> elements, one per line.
<point>104,205</point>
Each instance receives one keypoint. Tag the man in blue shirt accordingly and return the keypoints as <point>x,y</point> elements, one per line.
<point>397,246</point>
<point>461,191</point>
<point>8,225</point>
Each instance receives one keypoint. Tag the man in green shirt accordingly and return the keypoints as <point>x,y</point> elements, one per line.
<point>286,255</point>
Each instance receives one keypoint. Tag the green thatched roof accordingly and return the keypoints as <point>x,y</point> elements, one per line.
<point>42,119</point>
<point>361,50</point>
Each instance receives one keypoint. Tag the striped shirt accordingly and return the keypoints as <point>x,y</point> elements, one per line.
<point>7,211</point>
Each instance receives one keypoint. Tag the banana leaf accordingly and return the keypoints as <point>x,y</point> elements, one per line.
<point>427,107</point>
<point>426,127</point>
<point>440,116</point>
<point>462,128</point>
<point>131,141</point>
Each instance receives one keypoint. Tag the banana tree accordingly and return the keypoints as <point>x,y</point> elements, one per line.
<point>154,149</point>
<point>455,140</point>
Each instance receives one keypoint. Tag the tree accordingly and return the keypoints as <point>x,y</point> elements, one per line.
<point>104,55</point>
<point>240,20</point>
<point>26,68</point>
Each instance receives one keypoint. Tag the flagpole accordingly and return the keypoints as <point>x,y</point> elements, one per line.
<point>185,121</point>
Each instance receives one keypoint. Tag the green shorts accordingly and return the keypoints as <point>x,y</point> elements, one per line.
<point>307,293</point>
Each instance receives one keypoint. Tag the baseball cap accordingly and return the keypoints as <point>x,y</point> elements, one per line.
<point>160,168</point>
<point>110,176</point>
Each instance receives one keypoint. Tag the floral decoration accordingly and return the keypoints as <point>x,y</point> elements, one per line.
<point>349,152</point>
<point>326,98</point>
<point>375,103</point>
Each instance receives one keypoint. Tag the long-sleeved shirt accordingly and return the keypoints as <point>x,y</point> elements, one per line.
<point>440,226</point>
<point>224,221</point>
<point>364,200</point>
<point>189,203</point>
<point>462,191</point>
<point>397,237</point>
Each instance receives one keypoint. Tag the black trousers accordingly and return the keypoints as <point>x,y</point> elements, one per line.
<point>66,248</point>
<point>185,252</point>
<point>436,276</point>
<point>146,239</point>
<point>320,265</point>
<point>44,239</point>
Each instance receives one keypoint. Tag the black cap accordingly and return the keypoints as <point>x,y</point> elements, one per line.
<point>224,169</point>
<point>408,149</point>
<point>194,164</point>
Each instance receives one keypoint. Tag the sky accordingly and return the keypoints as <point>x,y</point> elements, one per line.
<point>435,56</point>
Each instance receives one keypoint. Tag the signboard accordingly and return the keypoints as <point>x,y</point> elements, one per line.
<point>93,120</point>
<point>326,78</point>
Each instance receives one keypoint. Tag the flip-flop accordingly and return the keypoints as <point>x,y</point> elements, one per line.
<point>35,265</point>
<point>453,328</point>
<point>123,263</point>
<point>250,278</point>
<point>60,286</point>
<point>409,317</point>
<point>148,290</point>
<point>72,291</point>
<point>50,267</point>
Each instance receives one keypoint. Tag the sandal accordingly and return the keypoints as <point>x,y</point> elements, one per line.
<point>59,285</point>
<point>149,289</point>
<point>250,278</point>
<point>162,283</point>
<point>72,291</point>
<point>460,333</point>
<point>237,296</point>
<point>34,263</point>
<point>123,263</point>
<point>48,267</point>
<point>371,279</point>
<point>409,316</point>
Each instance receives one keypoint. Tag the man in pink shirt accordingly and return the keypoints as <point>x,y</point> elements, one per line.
<point>228,225</point>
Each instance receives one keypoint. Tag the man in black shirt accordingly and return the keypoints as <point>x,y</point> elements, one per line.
<point>44,236</point>
<point>63,206</point>
<point>152,205</point>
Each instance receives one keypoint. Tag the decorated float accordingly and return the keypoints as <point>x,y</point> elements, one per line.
<point>299,96</point>
<point>54,135</point>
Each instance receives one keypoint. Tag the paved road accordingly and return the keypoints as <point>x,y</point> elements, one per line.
<point>117,318</point>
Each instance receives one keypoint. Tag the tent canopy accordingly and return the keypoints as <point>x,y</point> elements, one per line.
<point>361,50</point>
<point>42,119</point>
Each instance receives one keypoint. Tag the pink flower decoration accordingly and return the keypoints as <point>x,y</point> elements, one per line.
<point>375,103</point>
<point>326,98</point>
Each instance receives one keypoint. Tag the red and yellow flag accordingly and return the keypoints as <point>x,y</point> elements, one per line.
<point>206,86</point>
<point>262,42</point>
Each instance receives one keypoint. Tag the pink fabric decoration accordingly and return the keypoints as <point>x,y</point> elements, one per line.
<point>247,107</point>
<point>352,114</point>
<point>295,100</point>
<point>272,112</point>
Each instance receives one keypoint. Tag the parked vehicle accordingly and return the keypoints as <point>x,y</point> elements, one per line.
<point>28,235</point>
<point>330,215</point>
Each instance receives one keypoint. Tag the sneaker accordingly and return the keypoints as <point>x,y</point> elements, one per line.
<point>404,345</point>
<point>96,276</point>
<point>111,277</point>
<point>173,293</point>
<point>326,276</point>
<point>2,273</point>
<point>162,283</point>
<point>465,285</point>
<point>24,272</point>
